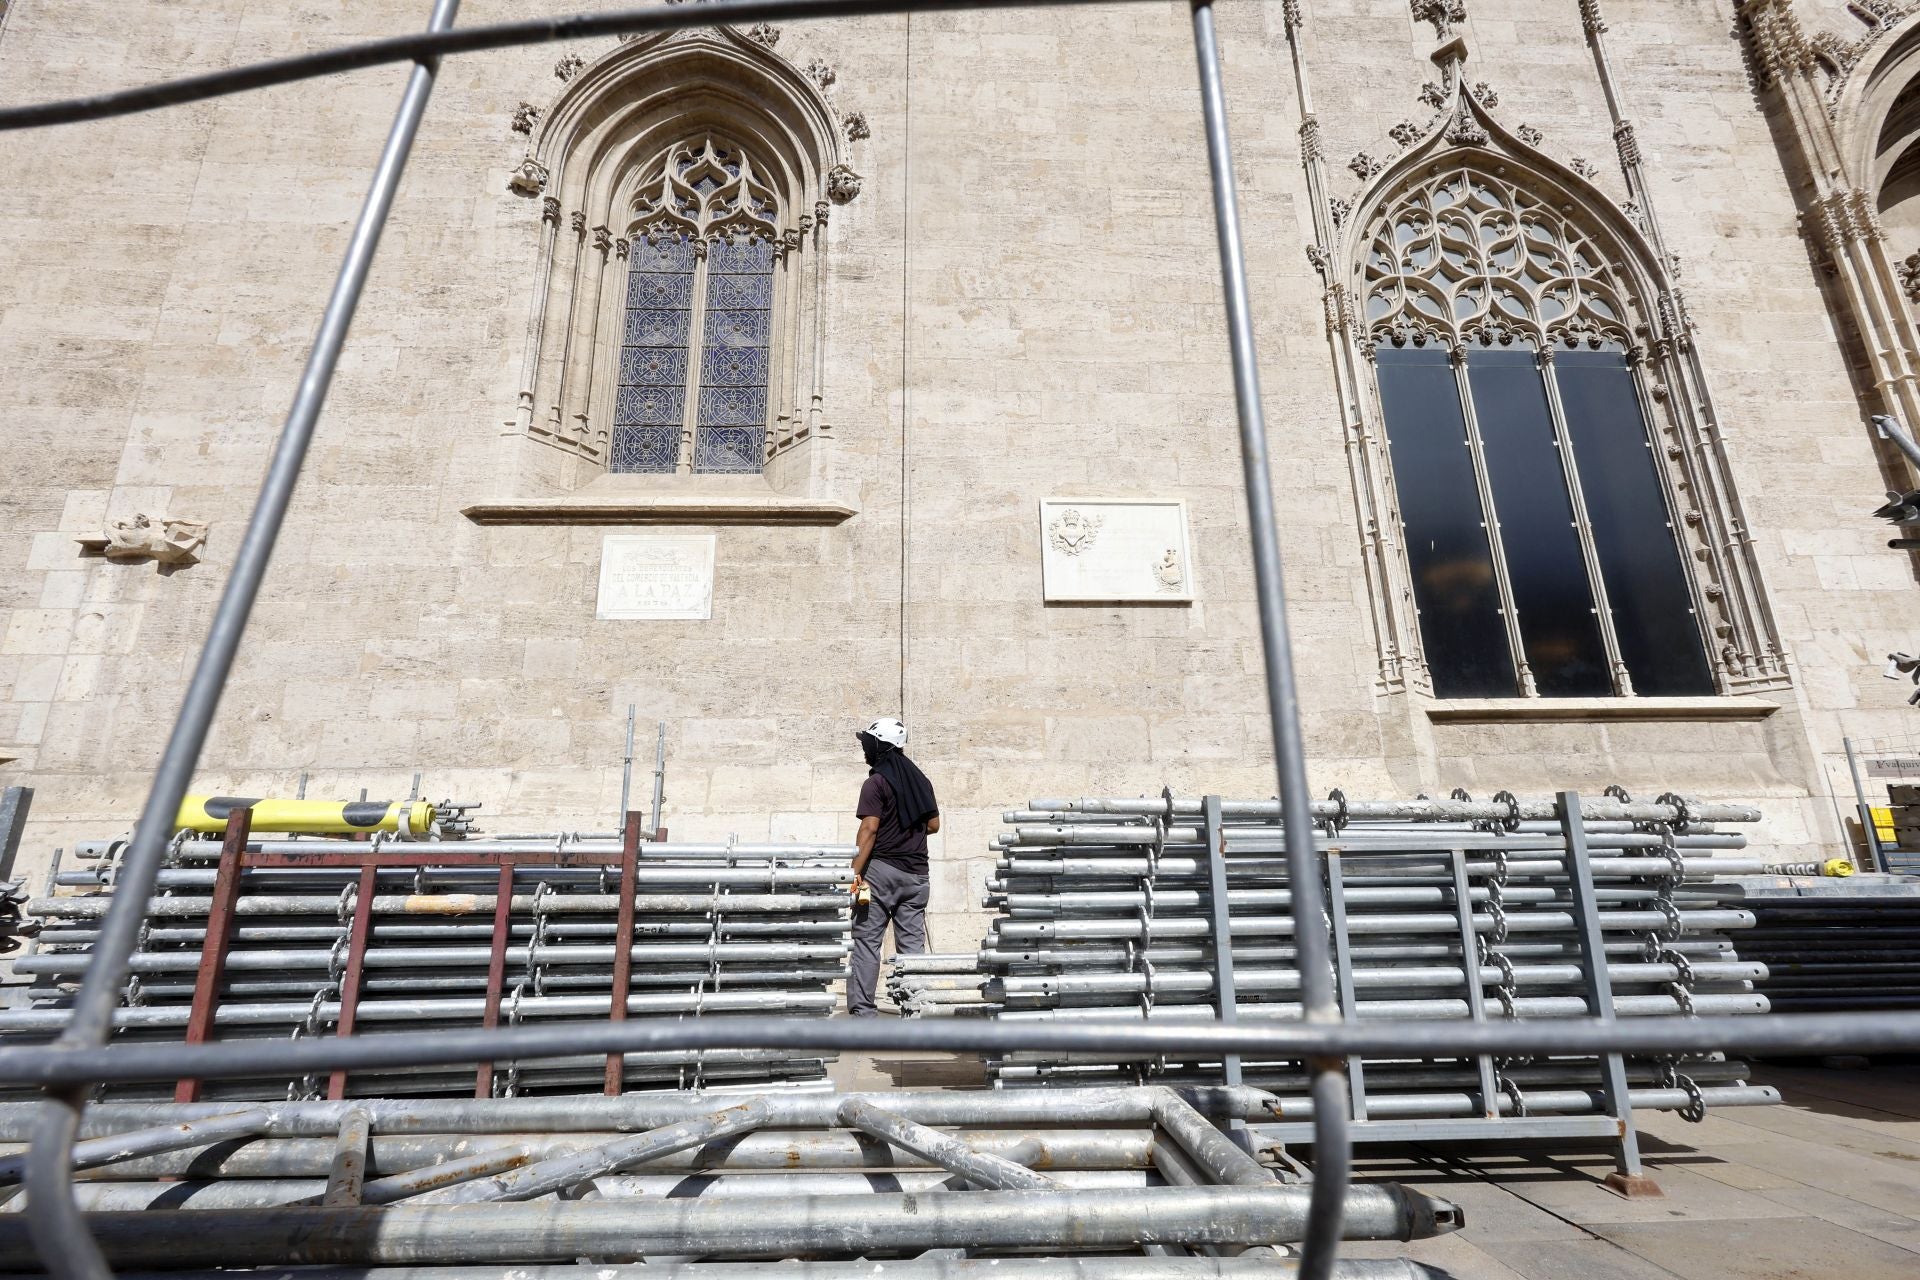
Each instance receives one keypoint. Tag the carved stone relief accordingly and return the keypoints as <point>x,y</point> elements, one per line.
<point>1072,532</point>
<point>1441,13</point>
<point>529,177</point>
<point>843,184</point>
<point>159,539</point>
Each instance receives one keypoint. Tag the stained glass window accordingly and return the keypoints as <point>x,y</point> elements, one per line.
<point>651,402</point>
<point>1522,460</point>
<point>731,428</point>
<point>696,350</point>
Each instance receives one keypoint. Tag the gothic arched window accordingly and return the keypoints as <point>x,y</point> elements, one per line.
<point>693,368</point>
<point>1542,548</point>
<point>677,324</point>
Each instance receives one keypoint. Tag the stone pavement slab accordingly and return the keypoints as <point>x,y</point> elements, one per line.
<point>1584,1259</point>
<point>1790,1248</point>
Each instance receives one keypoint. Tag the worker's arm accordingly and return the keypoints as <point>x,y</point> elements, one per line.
<point>863,845</point>
<point>933,824</point>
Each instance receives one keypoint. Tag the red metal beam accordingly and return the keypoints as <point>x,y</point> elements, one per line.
<point>496,974</point>
<point>213,950</point>
<point>623,945</point>
<point>350,981</point>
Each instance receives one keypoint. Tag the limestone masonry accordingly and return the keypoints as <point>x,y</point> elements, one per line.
<point>969,259</point>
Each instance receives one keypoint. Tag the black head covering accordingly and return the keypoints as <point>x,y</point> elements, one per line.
<point>913,797</point>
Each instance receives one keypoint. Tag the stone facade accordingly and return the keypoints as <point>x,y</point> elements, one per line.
<point>1017,299</point>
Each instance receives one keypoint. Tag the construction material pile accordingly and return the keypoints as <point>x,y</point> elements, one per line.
<point>1107,1183</point>
<point>317,937</point>
<point>1452,909</point>
<point>1834,945</point>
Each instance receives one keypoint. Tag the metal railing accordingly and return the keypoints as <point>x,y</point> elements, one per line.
<point>81,1058</point>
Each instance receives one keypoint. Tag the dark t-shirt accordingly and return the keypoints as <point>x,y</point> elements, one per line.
<point>906,850</point>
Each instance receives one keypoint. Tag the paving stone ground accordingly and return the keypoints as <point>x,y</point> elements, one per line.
<point>1826,1185</point>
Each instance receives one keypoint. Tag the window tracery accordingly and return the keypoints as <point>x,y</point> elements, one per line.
<point>1466,256</point>
<point>697,338</point>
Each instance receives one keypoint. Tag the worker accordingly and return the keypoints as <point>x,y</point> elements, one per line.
<point>897,813</point>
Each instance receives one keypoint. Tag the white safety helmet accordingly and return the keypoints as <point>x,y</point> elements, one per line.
<point>888,730</point>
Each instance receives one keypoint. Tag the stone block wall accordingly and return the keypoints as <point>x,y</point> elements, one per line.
<point>1023,302</point>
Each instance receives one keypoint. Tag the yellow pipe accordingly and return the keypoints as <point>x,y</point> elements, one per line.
<point>308,817</point>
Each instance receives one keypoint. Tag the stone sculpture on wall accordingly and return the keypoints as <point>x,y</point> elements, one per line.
<point>161,540</point>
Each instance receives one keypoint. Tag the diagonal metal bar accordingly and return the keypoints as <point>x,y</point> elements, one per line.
<point>569,1170</point>
<point>347,1178</point>
<point>438,43</point>
<point>158,1140</point>
<point>1219,1156</point>
<point>59,1231</point>
<point>1332,1150</point>
<point>994,1173</point>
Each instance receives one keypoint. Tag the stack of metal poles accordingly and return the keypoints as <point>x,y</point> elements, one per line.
<point>1833,944</point>
<point>716,928</point>
<point>1106,1184</point>
<point>1439,909</point>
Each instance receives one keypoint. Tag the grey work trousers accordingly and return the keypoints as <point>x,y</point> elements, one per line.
<point>899,896</point>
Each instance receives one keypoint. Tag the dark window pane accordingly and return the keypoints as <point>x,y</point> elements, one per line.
<point>1453,584</point>
<point>1639,552</point>
<point>1558,627</point>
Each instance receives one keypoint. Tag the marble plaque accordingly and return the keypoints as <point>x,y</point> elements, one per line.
<point>1118,550</point>
<point>661,577</point>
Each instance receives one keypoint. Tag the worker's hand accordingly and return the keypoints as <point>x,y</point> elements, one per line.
<point>861,893</point>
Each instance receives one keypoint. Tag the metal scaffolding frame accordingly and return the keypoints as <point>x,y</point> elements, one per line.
<point>81,1057</point>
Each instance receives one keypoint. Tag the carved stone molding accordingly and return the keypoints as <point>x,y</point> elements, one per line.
<point>1590,17</point>
<point>1443,14</point>
<point>764,33</point>
<point>1434,95</point>
<point>568,67</point>
<point>529,177</point>
<point>1465,131</point>
<point>1405,133</point>
<point>1584,167</point>
<point>1365,166</point>
<point>821,73</point>
<point>1486,95</point>
<point>1627,142</point>
<point>525,116</point>
<point>1877,13</point>
<point>855,124</point>
<point>1310,143</point>
<point>1529,135</point>
<point>1780,45</point>
<point>156,538</point>
<point>843,184</point>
